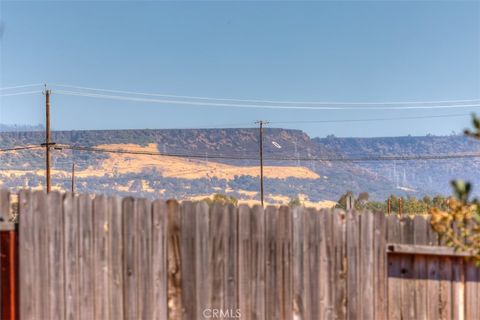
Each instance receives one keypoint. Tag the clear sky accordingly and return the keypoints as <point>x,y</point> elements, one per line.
<point>359,51</point>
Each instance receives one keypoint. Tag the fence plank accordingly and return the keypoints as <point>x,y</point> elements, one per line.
<point>380,267</point>
<point>218,218</point>
<point>231,262</point>
<point>175,303</point>
<point>144,259</point>
<point>366,265</point>
<point>41,254</point>
<point>458,289</point>
<point>445,290</point>
<point>353,258</point>
<point>160,264</point>
<point>433,281</point>
<point>258,286</point>
<point>340,266</point>
<point>273,298</point>
<point>472,291</point>
<point>314,289</point>
<point>129,259</point>
<point>298,263</point>
<point>4,205</point>
<point>245,270</point>
<point>26,260</point>
<point>394,276</point>
<point>202,263</point>
<point>406,265</point>
<point>284,261</point>
<point>100,257</point>
<point>85,257</point>
<point>56,264</point>
<point>327,286</point>
<point>115,257</point>
<point>187,249</point>
<point>73,284</point>
<point>420,271</point>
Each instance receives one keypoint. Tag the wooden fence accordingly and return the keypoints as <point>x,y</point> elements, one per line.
<point>109,258</point>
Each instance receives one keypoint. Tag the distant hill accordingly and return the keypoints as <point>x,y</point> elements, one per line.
<point>181,177</point>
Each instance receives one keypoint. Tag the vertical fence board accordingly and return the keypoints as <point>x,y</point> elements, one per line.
<point>231,262</point>
<point>458,289</point>
<point>73,300</point>
<point>130,280</point>
<point>245,270</point>
<point>433,283</point>
<point>160,264</point>
<point>315,292</point>
<point>340,267</point>
<point>100,257</point>
<point>327,271</point>
<point>445,271</point>
<point>115,258</point>
<point>353,258</point>
<point>258,286</point>
<point>41,254</point>
<point>188,261</point>
<point>420,271</point>
<point>284,261</point>
<point>56,265</point>
<point>27,268</point>
<point>273,298</point>
<point>406,265</point>
<point>366,265</point>
<point>380,267</point>
<point>201,262</point>
<point>144,259</point>
<point>394,276</point>
<point>85,256</point>
<point>298,263</point>
<point>472,291</point>
<point>217,260</point>
<point>175,303</point>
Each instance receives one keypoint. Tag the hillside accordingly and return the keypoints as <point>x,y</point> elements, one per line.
<point>183,177</point>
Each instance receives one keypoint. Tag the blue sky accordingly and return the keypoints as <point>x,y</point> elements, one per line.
<point>359,51</point>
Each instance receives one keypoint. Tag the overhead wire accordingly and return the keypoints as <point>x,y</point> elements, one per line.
<point>21,86</point>
<point>265,101</point>
<point>262,106</point>
<point>227,157</point>
<point>19,93</point>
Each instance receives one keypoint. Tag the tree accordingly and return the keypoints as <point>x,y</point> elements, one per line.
<point>222,198</point>
<point>457,219</point>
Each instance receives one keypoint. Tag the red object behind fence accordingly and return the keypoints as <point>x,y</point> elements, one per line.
<point>8,276</point>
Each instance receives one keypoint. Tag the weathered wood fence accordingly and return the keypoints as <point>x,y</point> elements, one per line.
<point>109,258</point>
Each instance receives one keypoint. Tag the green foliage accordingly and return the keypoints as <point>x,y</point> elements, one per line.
<point>295,202</point>
<point>459,224</point>
<point>222,198</point>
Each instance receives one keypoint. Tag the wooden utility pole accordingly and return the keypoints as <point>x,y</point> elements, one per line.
<point>73,178</point>
<point>47,139</point>
<point>261,123</point>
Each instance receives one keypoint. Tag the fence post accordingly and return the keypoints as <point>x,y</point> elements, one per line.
<point>8,260</point>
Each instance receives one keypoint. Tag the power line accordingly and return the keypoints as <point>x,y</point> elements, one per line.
<point>19,93</point>
<point>226,157</point>
<point>258,106</point>
<point>19,148</point>
<point>22,86</point>
<point>373,119</point>
<point>264,101</point>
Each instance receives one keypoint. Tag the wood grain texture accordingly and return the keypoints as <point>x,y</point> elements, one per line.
<point>56,262</point>
<point>100,257</point>
<point>245,268</point>
<point>160,259</point>
<point>144,261</point>
<point>187,250</point>
<point>258,279</point>
<point>202,261</point>
<point>26,246</point>
<point>84,216</point>
<point>74,297</point>
<point>130,279</point>
<point>115,258</point>
<point>353,271</point>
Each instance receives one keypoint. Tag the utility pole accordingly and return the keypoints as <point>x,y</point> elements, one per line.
<point>47,139</point>
<point>261,123</point>
<point>73,177</point>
